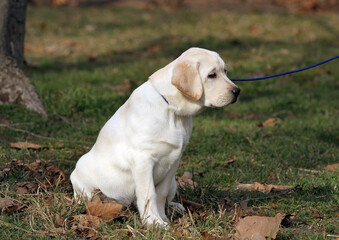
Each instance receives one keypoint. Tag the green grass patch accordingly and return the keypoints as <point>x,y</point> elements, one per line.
<point>82,54</point>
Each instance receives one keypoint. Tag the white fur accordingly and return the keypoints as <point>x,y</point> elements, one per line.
<point>138,150</point>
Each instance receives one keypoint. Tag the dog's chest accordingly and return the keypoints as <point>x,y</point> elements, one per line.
<point>170,147</point>
<point>165,160</point>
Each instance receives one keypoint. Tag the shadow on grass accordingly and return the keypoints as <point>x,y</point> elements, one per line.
<point>212,197</point>
<point>170,47</point>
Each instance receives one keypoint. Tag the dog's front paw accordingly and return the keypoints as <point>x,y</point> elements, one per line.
<point>156,222</point>
<point>177,207</point>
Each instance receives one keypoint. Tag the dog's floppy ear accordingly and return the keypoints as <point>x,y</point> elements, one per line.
<point>186,79</point>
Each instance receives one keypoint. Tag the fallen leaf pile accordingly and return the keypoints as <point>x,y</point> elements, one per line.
<point>26,187</point>
<point>97,212</point>
<point>40,173</point>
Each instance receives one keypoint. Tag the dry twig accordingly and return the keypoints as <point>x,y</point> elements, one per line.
<point>37,135</point>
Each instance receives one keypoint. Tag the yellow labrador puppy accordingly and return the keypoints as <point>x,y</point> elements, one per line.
<point>138,151</point>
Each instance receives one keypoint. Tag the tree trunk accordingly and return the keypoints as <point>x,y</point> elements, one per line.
<point>15,87</point>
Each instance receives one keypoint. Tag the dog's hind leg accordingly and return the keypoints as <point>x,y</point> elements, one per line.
<point>166,191</point>
<point>81,191</point>
<point>171,194</point>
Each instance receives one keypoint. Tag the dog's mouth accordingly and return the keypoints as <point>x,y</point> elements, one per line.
<point>235,99</point>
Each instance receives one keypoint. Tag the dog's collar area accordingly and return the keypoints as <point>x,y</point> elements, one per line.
<point>164,99</point>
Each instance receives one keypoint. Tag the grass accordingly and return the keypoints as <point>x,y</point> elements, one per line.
<point>81,54</point>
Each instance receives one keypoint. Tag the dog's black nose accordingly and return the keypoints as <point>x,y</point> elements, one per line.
<point>236,91</point>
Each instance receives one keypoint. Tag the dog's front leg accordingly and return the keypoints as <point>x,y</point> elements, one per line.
<point>146,194</point>
<point>163,189</point>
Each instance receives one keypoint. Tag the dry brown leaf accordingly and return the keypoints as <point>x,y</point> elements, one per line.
<point>332,167</point>
<point>53,173</point>
<point>57,174</point>
<point>316,213</point>
<point>92,234</point>
<point>258,227</point>
<point>107,210</point>
<point>84,221</point>
<point>26,187</point>
<point>59,220</point>
<point>272,175</point>
<point>262,187</point>
<point>7,205</point>
<point>186,180</point>
<point>25,145</point>
<point>271,122</point>
<point>181,226</point>
<point>34,166</point>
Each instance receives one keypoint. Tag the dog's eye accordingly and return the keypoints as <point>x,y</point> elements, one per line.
<point>225,71</point>
<point>212,75</point>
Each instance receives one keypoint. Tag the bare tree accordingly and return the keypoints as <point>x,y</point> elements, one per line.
<point>15,87</point>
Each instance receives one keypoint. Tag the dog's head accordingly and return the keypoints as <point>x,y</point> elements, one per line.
<point>201,75</point>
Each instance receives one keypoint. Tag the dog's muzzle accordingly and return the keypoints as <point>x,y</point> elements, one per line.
<point>236,92</point>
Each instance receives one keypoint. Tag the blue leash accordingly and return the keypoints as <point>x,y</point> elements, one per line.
<point>284,73</point>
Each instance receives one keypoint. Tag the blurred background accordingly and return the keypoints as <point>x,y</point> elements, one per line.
<point>292,5</point>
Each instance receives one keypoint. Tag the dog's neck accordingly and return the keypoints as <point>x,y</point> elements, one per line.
<point>180,104</point>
